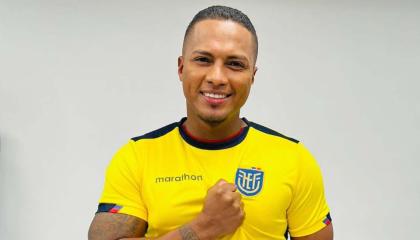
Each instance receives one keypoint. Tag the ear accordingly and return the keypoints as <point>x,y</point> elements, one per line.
<point>253,74</point>
<point>180,67</point>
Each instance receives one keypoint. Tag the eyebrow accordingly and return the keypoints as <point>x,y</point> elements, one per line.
<point>202,52</point>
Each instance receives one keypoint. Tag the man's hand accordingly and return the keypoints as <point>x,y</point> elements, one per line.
<point>223,212</point>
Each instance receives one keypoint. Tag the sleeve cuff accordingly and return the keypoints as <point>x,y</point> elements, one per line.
<point>115,208</point>
<point>322,223</point>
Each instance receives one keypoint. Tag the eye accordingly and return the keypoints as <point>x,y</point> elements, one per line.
<point>202,59</point>
<point>236,64</point>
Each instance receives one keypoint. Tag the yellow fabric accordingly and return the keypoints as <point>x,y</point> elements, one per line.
<point>164,181</point>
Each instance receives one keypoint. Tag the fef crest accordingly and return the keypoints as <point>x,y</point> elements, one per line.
<point>249,181</point>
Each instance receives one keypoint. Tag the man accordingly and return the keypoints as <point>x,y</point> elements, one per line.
<point>214,175</point>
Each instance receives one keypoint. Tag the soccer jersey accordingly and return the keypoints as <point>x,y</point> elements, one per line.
<point>163,178</point>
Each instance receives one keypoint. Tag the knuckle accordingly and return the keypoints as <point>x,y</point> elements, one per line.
<point>221,183</point>
<point>237,206</point>
<point>228,198</point>
<point>219,191</point>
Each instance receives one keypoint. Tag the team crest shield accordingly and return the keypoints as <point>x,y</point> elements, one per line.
<point>249,181</point>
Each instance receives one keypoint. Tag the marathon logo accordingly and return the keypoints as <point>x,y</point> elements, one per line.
<point>180,178</point>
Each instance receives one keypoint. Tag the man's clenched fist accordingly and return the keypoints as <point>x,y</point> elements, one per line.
<point>223,210</point>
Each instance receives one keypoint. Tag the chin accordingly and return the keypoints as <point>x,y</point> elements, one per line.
<point>212,119</point>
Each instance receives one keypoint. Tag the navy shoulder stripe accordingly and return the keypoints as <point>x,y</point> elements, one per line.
<point>157,133</point>
<point>270,131</point>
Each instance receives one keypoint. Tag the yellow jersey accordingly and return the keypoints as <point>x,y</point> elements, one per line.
<point>162,177</point>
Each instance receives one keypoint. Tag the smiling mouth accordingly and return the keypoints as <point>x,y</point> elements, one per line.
<point>215,95</point>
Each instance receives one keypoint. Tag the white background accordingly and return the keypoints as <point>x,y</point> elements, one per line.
<point>79,78</point>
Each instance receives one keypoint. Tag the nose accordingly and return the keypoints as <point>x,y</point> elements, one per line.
<point>216,75</point>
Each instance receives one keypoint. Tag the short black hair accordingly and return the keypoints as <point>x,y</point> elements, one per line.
<point>224,13</point>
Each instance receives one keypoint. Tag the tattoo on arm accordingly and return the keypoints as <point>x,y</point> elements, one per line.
<point>188,234</point>
<point>115,226</point>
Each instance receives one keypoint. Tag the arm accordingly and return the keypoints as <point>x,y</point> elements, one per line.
<point>110,226</point>
<point>323,234</point>
<point>222,214</point>
<point>116,226</point>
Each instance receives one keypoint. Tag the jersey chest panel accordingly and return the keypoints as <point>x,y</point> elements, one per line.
<point>176,184</point>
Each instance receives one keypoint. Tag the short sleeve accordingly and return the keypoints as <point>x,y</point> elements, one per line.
<point>122,188</point>
<point>308,211</point>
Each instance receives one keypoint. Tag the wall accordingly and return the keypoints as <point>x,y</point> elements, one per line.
<point>79,78</point>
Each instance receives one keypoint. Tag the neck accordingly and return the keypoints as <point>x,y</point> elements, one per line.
<point>204,130</point>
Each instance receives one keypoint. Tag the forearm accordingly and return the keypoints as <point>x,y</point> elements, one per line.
<point>176,234</point>
<point>198,229</point>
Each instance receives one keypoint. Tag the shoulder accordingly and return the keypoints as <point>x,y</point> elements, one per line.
<point>128,156</point>
<point>158,132</point>
<point>270,132</point>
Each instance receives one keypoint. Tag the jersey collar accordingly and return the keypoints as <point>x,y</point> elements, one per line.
<point>216,145</point>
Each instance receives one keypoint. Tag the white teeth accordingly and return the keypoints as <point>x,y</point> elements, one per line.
<point>214,95</point>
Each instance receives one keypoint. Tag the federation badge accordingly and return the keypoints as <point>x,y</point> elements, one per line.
<point>249,181</point>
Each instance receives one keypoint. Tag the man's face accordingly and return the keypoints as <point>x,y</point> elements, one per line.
<point>217,70</point>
